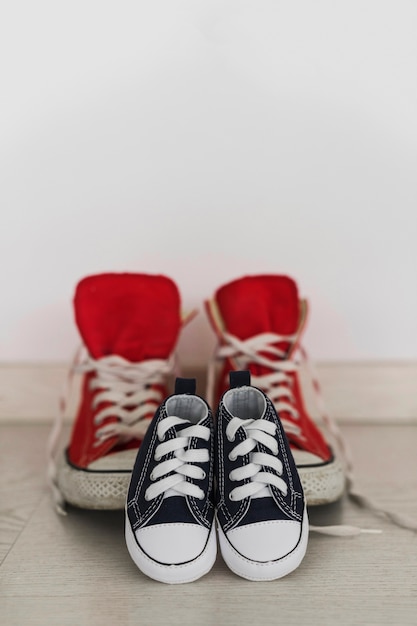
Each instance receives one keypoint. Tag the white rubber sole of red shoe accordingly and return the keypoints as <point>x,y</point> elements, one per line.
<point>172,574</point>
<point>271,570</point>
<point>322,484</point>
<point>86,489</point>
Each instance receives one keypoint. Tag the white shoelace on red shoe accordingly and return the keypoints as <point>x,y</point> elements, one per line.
<point>170,476</point>
<point>127,388</point>
<point>277,385</point>
<point>124,384</point>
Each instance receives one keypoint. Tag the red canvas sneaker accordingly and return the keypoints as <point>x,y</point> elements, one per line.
<point>129,324</point>
<point>259,321</point>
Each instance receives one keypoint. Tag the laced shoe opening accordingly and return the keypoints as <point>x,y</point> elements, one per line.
<point>245,403</point>
<point>127,391</point>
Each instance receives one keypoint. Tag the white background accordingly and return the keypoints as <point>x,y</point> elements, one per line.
<point>208,140</point>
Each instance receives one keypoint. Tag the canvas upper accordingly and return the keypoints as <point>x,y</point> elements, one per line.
<point>129,324</point>
<point>170,502</point>
<point>259,321</point>
<point>263,525</point>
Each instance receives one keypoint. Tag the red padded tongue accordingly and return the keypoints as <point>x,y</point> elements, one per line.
<point>136,316</point>
<point>259,304</point>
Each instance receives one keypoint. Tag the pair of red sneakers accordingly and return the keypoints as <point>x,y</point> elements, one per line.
<point>130,325</point>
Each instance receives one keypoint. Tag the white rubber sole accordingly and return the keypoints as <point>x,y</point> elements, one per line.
<point>104,490</point>
<point>270,570</point>
<point>322,484</point>
<point>172,574</point>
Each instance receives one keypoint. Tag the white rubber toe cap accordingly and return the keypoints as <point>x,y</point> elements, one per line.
<point>265,541</point>
<point>172,543</point>
<point>266,550</point>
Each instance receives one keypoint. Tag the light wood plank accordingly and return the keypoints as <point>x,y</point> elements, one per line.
<point>373,392</point>
<point>30,392</point>
<point>76,569</point>
<point>22,478</point>
<point>353,392</point>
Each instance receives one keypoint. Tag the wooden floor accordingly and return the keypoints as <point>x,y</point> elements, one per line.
<point>75,570</point>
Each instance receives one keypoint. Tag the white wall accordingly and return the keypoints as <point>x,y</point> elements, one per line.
<point>207,140</point>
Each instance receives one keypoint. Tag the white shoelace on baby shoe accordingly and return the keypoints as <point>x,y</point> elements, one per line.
<point>127,386</point>
<point>257,432</point>
<point>277,385</point>
<point>170,476</point>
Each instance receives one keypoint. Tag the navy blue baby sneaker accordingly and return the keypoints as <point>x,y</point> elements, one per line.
<point>170,531</point>
<point>261,513</point>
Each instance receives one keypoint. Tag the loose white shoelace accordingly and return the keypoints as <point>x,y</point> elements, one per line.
<point>257,431</point>
<point>170,476</point>
<point>123,384</point>
<point>277,385</point>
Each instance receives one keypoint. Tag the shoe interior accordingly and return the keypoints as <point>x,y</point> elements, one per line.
<point>191,408</point>
<point>245,403</point>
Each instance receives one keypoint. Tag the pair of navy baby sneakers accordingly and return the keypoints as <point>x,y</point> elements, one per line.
<point>191,470</point>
